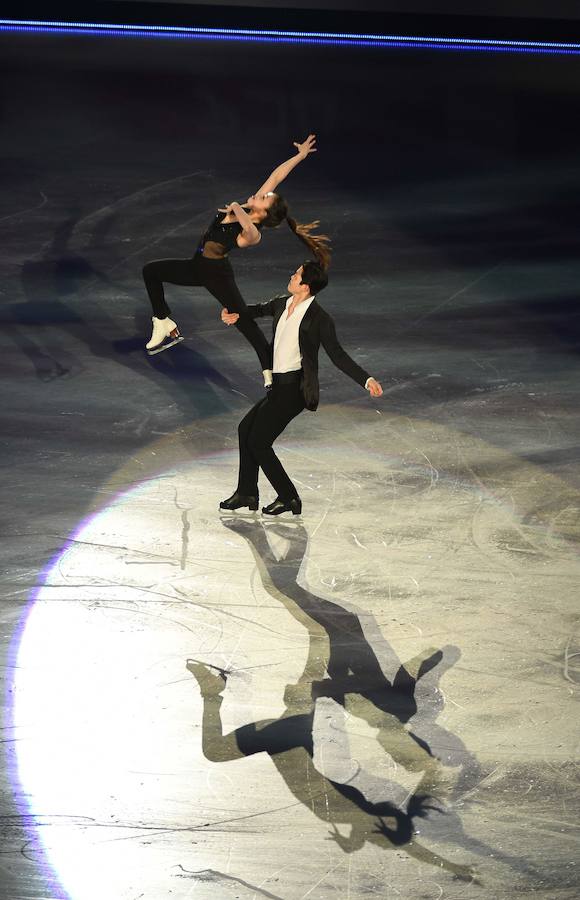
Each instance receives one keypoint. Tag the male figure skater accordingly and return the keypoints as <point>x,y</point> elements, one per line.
<point>300,326</point>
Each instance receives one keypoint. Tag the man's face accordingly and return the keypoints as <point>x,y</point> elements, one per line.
<point>295,283</point>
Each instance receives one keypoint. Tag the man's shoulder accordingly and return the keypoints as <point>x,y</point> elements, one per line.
<point>278,298</point>
<point>320,310</point>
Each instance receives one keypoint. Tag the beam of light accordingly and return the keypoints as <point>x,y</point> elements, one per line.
<point>101,708</point>
<point>300,37</point>
<point>54,722</point>
<point>79,718</point>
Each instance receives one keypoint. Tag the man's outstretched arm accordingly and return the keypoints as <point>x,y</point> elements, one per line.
<point>343,361</point>
<point>256,310</point>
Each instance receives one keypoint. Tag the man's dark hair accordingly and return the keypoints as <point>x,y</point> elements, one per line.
<point>314,275</point>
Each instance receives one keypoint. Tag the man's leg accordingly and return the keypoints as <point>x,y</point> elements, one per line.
<point>283,403</point>
<point>249,465</point>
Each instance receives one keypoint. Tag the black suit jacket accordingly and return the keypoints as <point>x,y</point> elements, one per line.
<point>316,328</point>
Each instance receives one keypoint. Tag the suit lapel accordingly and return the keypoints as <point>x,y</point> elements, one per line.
<point>280,307</point>
<point>309,317</point>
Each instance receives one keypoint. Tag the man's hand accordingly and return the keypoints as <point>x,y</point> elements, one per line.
<point>306,146</point>
<point>373,387</point>
<point>231,318</point>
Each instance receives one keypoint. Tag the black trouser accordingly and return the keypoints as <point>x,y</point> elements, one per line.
<point>217,276</point>
<point>259,429</point>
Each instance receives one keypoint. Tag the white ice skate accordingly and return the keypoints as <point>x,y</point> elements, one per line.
<point>165,335</point>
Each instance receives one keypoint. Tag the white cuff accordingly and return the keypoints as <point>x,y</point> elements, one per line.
<point>370,378</point>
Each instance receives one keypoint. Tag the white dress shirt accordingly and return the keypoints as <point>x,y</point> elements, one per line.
<point>287,357</point>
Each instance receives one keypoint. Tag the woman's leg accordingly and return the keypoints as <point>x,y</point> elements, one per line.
<point>171,271</point>
<point>216,746</point>
<point>220,282</point>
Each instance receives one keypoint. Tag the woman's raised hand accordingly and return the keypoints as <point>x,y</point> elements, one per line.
<point>306,146</point>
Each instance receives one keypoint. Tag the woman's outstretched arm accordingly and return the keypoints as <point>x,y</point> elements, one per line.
<point>283,170</point>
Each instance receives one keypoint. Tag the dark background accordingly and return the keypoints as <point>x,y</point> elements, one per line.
<point>562,9</point>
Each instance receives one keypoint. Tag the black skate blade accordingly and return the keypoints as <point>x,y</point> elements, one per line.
<point>286,517</point>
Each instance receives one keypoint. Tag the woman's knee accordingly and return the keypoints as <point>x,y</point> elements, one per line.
<point>245,324</point>
<point>148,271</point>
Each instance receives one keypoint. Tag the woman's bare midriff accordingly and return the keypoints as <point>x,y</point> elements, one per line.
<point>213,250</point>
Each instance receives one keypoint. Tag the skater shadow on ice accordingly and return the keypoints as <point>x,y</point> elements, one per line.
<point>343,677</point>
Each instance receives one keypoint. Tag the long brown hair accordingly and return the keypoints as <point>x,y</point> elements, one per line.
<point>318,244</point>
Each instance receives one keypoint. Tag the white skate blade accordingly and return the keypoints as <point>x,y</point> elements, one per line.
<point>165,346</point>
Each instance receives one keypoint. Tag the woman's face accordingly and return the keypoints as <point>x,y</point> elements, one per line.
<point>261,202</point>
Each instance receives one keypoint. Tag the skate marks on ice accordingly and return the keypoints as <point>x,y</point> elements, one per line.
<point>343,670</point>
<point>339,655</point>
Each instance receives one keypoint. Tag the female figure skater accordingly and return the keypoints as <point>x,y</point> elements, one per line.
<point>236,226</point>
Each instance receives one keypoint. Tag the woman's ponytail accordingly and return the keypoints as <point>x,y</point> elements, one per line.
<point>318,244</point>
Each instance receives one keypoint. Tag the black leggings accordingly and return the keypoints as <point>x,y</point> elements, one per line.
<point>217,276</point>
